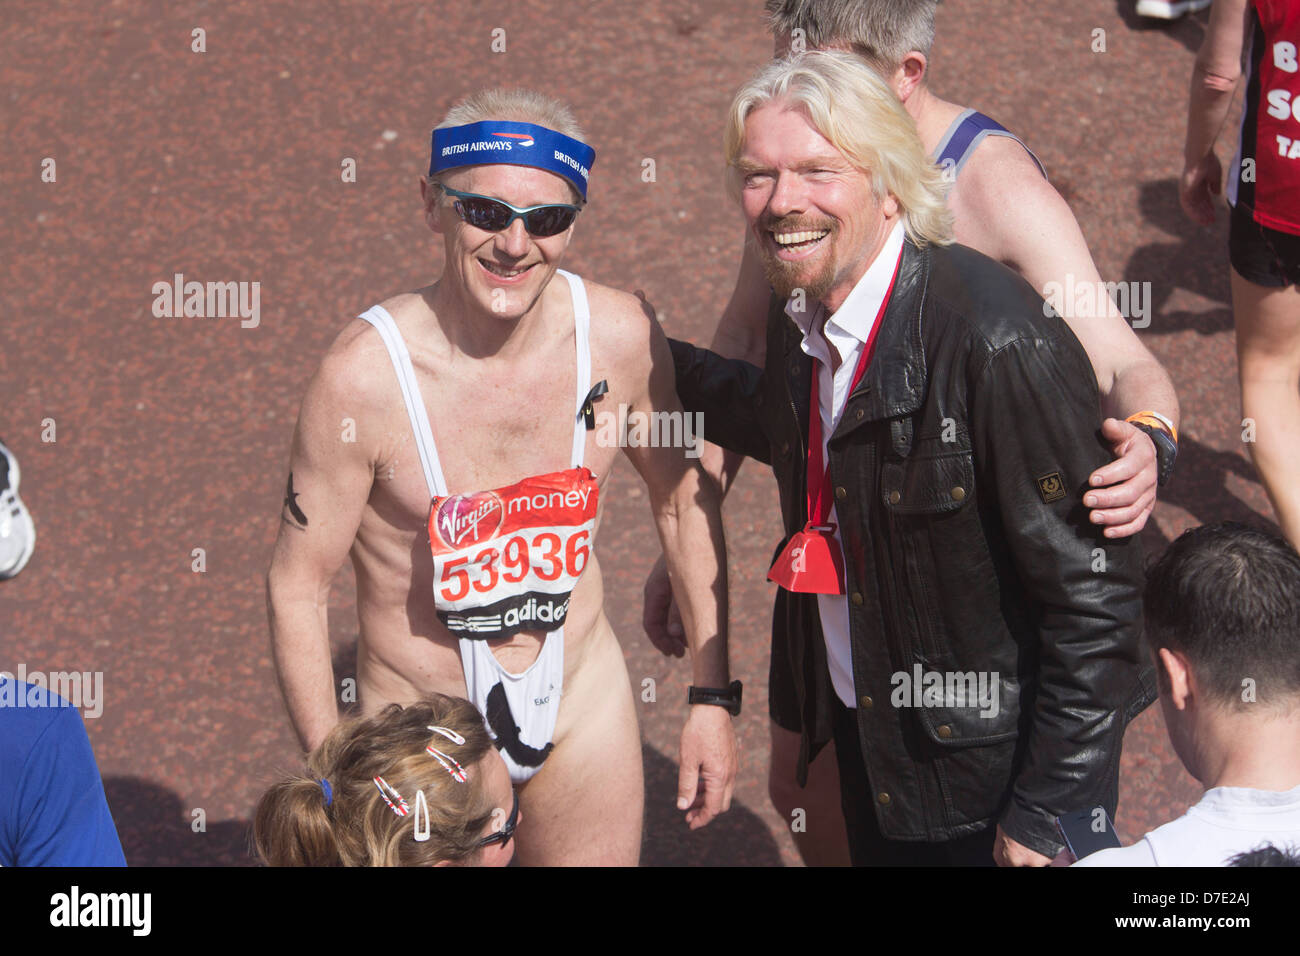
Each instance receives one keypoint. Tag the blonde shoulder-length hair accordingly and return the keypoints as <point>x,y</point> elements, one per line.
<point>847,103</point>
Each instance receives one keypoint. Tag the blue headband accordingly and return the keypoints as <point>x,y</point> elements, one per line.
<point>516,144</point>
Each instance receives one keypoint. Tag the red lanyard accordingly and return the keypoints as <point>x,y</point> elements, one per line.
<point>819,480</point>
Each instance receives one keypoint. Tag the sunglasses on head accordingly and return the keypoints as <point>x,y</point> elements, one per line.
<point>494,215</point>
<point>503,835</point>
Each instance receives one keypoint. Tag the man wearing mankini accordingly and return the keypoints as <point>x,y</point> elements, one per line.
<point>470,498</point>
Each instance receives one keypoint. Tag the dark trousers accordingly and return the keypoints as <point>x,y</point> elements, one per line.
<point>866,846</point>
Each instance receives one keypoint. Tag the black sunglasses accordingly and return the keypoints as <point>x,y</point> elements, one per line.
<point>494,215</point>
<point>503,835</point>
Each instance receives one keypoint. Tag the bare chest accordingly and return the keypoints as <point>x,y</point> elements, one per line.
<point>488,431</point>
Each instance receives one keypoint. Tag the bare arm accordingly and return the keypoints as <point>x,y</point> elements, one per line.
<point>741,334</point>
<point>1016,217</point>
<point>687,510</point>
<point>329,483</point>
<point>1214,78</point>
<point>1009,212</point>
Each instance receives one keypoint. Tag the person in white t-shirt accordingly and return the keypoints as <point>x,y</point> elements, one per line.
<point>1223,620</point>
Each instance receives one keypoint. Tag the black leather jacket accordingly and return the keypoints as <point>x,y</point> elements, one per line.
<point>958,469</point>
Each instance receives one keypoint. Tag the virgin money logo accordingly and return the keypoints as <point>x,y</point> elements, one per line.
<point>465,520</point>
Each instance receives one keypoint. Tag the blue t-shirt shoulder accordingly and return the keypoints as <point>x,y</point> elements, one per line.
<point>53,811</point>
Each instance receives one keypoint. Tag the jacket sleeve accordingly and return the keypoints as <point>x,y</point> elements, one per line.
<point>728,392</point>
<point>1035,426</point>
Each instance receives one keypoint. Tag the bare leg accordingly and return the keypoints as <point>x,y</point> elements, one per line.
<point>584,807</point>
<point>824,840</point>
<point>1268,360</point>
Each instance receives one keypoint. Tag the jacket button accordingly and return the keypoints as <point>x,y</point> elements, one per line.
<point>865,701</point>
<point>895,497</point>
<point>883,799</point>
<point>794,369</point>
<point>860,414</point>
<point>945,731</point>
<point>959,493</point>
<point>840,493</point>
<point>857,598</point>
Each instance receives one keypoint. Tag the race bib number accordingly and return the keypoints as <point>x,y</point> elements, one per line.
<point>506,560</point>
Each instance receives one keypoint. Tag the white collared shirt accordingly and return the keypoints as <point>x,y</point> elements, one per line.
<point>848,329</point>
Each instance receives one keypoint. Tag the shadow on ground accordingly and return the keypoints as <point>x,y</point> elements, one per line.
<point>156,830</point>
<point>736,838</point>
<point>1196,259</point>
<point>1200,486</point>
<point>1188,30</point>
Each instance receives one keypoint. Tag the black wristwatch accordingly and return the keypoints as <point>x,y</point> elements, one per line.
<point>728,697</point>
<point>1166,450</point>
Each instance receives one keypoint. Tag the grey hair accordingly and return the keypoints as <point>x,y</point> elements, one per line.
<point>881,31</point>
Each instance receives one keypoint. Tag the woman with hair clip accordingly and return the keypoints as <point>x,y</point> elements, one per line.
<point>415,786</point>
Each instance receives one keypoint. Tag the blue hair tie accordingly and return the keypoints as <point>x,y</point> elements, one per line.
<point>329,791</point>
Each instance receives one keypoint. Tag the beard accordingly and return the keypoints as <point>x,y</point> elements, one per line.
<point>815,277</point>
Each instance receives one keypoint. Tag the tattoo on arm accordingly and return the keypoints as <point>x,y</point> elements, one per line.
<point>292,514</point>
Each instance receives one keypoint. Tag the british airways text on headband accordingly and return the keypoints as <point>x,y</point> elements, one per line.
<point>519,144</point>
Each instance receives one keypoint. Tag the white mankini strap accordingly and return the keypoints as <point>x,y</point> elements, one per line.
<point>506,560</point>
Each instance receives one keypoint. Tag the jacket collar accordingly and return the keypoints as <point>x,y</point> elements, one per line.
<point>894,382</point>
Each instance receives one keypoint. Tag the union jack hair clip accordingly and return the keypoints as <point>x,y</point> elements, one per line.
<point>451,735</point>
<point>449,763</point>
<point>400,808</point>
